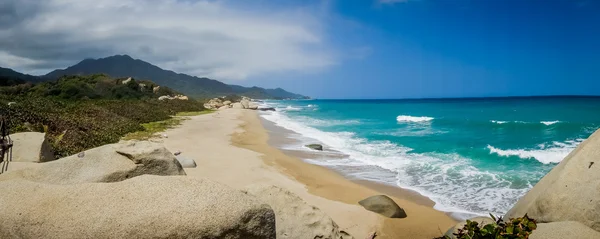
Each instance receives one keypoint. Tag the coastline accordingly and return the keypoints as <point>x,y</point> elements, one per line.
<point>231,147</point>
<point>326,183</point>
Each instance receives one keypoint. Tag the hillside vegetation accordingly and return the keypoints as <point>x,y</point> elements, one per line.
<point>199,87</point>
<point>83,112</point>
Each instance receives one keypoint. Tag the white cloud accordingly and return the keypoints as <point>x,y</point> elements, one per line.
<point>203,38</point>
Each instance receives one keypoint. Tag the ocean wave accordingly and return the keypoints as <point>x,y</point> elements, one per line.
<point>326,123</point>
<point>450,180</point>
<point>408,118</point>
<point>290,108</point>
<point>544,153</point>
<point>549,122</point>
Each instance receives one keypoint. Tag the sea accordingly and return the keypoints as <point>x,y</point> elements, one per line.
<point>470,156</point>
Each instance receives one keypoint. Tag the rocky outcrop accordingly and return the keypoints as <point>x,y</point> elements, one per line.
<point>143,207</point>
<point>125,82</point>
<point>226,102</point>
<point>108,163</point>
<point>177,97</point>
<point>214,104</point>
<point>570,192</point>
<point>295,218</point>
<point>266,109</point>
<point>186,162</point>
<point>315,147</point>
<point>383,205</point>
<point>155,89</point>
<point>245,103</point>
<point>237,106</point>
<point>562,230</point>
<point>480,220</point>
<point>31,147</point>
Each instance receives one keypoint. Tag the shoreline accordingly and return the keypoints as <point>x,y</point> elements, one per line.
<point>331,185</point>
<point>231,147</point>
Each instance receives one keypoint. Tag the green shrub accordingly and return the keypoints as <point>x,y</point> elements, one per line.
<point>79,113</point>
<point>515,228</point>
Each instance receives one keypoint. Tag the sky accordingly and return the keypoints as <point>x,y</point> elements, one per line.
<point>325,48</point>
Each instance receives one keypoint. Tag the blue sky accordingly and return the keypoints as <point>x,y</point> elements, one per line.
<point>325,48</point>
<point>429,48</point>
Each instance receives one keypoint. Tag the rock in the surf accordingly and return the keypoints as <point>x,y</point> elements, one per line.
<point>147,206</point>
<point>561,230</point>
<point>294,217</point>
<point>383,205</point>
<point>315,147</point>
<point>480,220</point>
<point>570,192</point>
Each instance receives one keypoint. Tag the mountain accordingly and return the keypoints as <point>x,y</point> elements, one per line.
<point>10,77</point>
<point>125,66</point>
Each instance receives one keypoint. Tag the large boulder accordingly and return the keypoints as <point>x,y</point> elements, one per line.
<point>31,147</point>
<point>227,102</point>
<point>562,230</point>
<point>108,163</point>
<point>570,192</point>
<point>383,205</point>
<point>237,105</point>
<point>295,218</point>
<point>245,103</point>
<point>480,220</point>
<point>143,207</point>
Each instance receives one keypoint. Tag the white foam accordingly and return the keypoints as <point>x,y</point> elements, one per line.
<point>325,123</point>
<point>498,121</point>
<point>449,180</point>
<point>546,154</point>
<point>550,122</point>
<point>408,118</point>
<point>291,108</point>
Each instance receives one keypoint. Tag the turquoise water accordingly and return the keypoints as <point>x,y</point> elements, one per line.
<point>470,156</point>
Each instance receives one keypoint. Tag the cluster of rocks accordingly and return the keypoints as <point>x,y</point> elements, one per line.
<point>220,104</point>
<point>138,189</point>
<point>176,97</point>
<point>565,202</point>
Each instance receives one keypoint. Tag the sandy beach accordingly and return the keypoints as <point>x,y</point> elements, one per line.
<point>231,147</point>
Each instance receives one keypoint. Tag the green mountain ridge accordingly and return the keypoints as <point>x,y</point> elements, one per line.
<point>200,87</point>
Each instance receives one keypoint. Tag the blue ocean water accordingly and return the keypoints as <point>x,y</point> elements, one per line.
<point>470,156</point>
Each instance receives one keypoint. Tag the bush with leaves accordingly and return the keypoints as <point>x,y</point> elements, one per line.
<point>515,228</point>
<point>78,113</point>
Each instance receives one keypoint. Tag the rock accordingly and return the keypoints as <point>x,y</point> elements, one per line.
<point>383,205</point>
<point>108,163</point>
<point>245,103</point>
<point>125,82</point>
<point>481,220</point>
<point>237,106</point>
<point>186,163</point>
<point>295,218</point>
<point>177,153</point>
<point>227,102</point>
<point>570,192</point>
<point>12,103</point>
<point>214,104</point>
<point>315,147</point>
<point>252,105</point>
<point>31,147</point>
<point>164,97</point>
<point>142,207</point>
<point>224,107</point>
<point>181,97</point>
<point>561,230</point>
<point>142,86</point>
<point>155,89</point>
<point>267,109</point>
